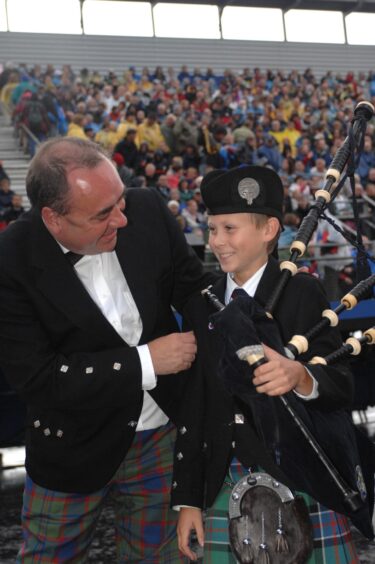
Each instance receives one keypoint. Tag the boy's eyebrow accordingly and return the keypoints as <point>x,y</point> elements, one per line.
<point>109,208</point>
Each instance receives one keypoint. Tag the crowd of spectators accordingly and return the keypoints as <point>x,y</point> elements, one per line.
<point>166,128</point>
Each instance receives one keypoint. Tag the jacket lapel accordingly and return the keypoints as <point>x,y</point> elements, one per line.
<point>59,283</point>
<point>268,281</point>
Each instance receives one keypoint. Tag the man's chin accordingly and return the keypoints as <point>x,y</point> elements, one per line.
<point>109,245</point>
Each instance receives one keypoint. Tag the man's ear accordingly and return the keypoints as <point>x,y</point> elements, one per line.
<point>52,220</point>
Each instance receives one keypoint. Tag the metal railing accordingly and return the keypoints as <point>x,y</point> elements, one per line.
<point>27,141</point>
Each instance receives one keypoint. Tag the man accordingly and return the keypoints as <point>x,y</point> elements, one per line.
<point>94,350</point>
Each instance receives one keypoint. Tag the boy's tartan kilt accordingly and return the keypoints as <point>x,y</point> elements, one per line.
<point>333,542</point>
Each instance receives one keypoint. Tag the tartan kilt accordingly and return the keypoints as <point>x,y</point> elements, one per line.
<point>332,538</point>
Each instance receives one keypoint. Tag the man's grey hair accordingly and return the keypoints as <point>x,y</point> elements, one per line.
<point>46,181</point>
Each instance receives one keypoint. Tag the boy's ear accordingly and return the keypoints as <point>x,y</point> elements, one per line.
<point>272,227</point>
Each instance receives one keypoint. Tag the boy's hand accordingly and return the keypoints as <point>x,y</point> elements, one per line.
<point>281,375</point>
<point>189,519</point>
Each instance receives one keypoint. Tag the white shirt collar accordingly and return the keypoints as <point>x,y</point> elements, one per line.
<point>250,285</point>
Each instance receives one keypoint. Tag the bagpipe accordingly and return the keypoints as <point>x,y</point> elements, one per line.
<point>335,462</point>
<point>346,155</point>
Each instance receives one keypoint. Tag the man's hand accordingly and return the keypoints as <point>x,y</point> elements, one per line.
<point>190,519</point>
<point>173,353</point>
<point>280,375</point>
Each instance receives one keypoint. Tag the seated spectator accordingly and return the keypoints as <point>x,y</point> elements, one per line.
<point>144,156</point>
<point>161,159</point>
<point>318,174</point>
<point>76,127</point>
<point>301,204</point>
<point>150,175</point>
<point>198,198</point>
<point>321,149</point>
<point>129,123</point>
<point>269,153</point>
<point>370,193</point>
<point>277,133</point>
<point>184,75</point>
<point>89,132</point>
<point>300,187</point>
<point>162,187</point>
<point>243,132</point>
<point>191,157</point>
<point>291,222</point>
<point>149,132</point>
<point>167,130</point>
<point>107,97</point>
<point>10,80</point>
<point>228,152</point>
<point>107,136</point>
<point>367,159</point>
<point>3,174</point>
<point>292,135</point>
<point>195,227</point>
<point>305,154</point>
<point>126,174</point>
<point>174,208</point>
<point>175,172</point>
<point>300,170</point>
<point>191,175</point>
<point>335,256</point>
<point>6,194</point>
<point>128,148</point>
<point>14,211</point>
<point>34,116</point>
<point>211,143</point>
<point>186,193</point>
<point>186,131</point>
<point>286,171</point>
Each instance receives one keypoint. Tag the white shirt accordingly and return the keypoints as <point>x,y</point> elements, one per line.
<point>250,287</point>
<point>104,280</point>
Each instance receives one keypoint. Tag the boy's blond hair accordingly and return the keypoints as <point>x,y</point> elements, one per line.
<point>260,220</point>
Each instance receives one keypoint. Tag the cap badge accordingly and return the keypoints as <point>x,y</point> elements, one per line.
<point>248,189</point>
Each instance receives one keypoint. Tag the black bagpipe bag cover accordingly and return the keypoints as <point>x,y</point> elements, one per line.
<point>244,322</point>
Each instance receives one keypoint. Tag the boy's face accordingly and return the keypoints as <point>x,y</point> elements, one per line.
<point>238,244</point>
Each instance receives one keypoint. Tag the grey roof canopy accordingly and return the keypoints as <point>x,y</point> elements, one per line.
<point>345,6</point>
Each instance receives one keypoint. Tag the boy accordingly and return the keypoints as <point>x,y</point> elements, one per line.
<point>245,213</point>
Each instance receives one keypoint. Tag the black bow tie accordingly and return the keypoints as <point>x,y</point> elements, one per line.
<point>73,258</point>
<point>238,293</point>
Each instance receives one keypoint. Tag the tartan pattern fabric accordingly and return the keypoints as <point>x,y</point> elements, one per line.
<point>332,538</point>
<point>58,527</point>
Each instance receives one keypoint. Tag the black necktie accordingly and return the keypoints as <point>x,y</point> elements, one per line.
<point>238,293</point>
<point>73,258</point>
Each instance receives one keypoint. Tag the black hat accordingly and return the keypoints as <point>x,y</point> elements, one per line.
<point>253,189</point>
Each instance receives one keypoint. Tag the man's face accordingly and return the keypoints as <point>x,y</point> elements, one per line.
<point>239,246</point>
<point>95,214</point>
<point>163,180</point>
